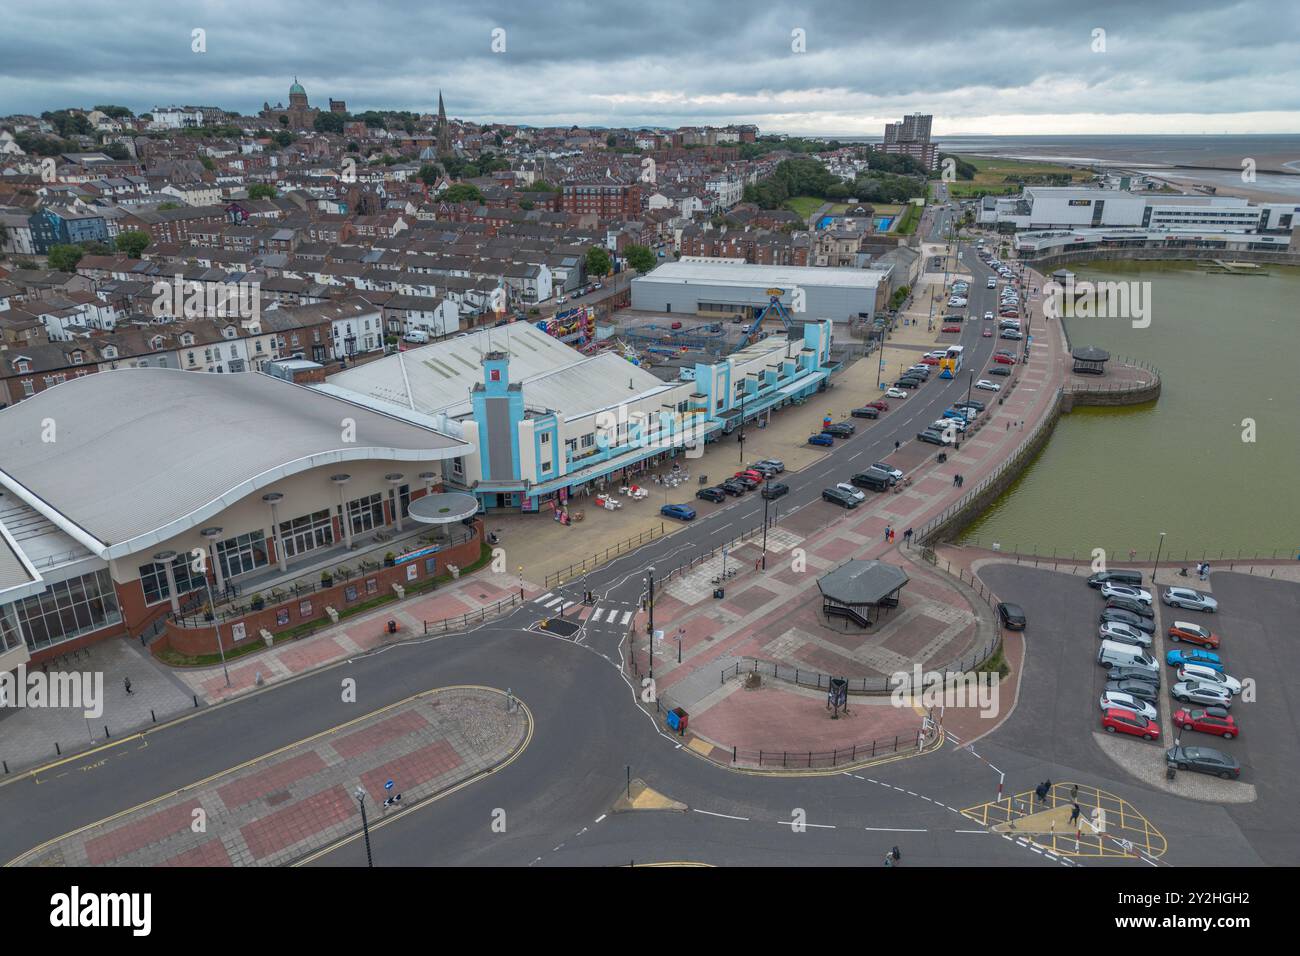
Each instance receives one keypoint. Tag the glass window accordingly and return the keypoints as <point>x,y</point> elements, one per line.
<point>153,578</point>
<point>242,554</point>
<point>66,609</point>
<point>367,513</point>
<point>307,533</point>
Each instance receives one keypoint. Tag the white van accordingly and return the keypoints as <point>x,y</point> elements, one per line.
<point>417,336</point>
<point>1113,654</point>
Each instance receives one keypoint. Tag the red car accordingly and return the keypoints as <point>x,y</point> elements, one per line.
<point>929,360</point>
<point>952,328</point>
<point>749,473</point>
<point>1119,721</point>
<point>1193,634</point>
<point>1208,720</point>
<point>882,405</point>
<point>1004,359</point>
<point>988,333</point>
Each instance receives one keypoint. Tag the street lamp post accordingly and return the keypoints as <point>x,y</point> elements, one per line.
<point>767,484</point>
<point>1156,568</point>
<point>651,642</point>
<point>744,395</point>
<point>969,382</point>
<point>365,825</point>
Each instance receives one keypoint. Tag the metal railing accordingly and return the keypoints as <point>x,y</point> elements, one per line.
<point>472,617</point>
<point>596,560</point>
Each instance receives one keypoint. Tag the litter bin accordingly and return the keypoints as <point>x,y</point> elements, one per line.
<point>677,719</point>
<point>1171,771</point>
<point>718,593</point>
<point>392,627</point>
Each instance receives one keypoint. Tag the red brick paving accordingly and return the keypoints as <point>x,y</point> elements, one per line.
<point>212,853</point>
<point>409,770</point>
<point>375,736</point>
<point>304,819</point>
<point>272,779</point>
<point>140,833</point>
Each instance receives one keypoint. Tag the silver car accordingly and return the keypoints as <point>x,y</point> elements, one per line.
<point>1189,599</point>
<point>1208,675</point>
<point>1110,590</point>
<point>1202,692</point>
<point>1116,699</point>
<point>1118,631</point>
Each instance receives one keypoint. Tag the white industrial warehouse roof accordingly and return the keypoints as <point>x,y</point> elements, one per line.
<point>777,277</point>
<point>140,455</point>
<point>437,379</point>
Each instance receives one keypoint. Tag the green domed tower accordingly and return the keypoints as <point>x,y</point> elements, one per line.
<point>297,95</point>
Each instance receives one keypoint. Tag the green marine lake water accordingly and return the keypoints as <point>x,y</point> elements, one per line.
<point>1228,350</point>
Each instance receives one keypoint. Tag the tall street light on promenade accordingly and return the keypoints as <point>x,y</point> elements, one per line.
<point>365,824</point>
<point>1156,568</point>
<point>651,643</point>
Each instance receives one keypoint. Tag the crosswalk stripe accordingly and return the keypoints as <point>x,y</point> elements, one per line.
<point>596,614</point>
<point>566,605</point>
<point>539,600</point>
<point>553,602</point>
<point>627,616</point>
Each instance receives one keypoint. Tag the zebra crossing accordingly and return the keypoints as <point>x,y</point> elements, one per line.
<point>558,604</point>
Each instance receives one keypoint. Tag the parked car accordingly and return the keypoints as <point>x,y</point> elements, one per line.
<point>841,429</point>
<point>908,383</point>
<point>711,494</point>
<point>1112,589</point>
<point>1202,692</point>
<point>749,481</point>
<point>987,386</point>
<point>1204,760</point>
<point>929,360</point>
<point>1012,615</point>
<point>952,328</point>
<point>1207,720</point>
<point>1121,673</point>
<point>1193,634</point>
<point>1114,631</point>
<point>896,393</point>
<point>881,405</point>
<point>680,512</point>
<point>732,487</point>
<point>1208,675</point>
<point>998,370</point>
<point>1134,687</point>
<point>848,489</point>
<point>865,412</point>
<point>1130,578</point>
<point>822,439</point>
<point>753,473</point>
<point>776,464</point>
<point>837,497</point>
<point>894,473</point>
<point>943,423</point>
<point>1010,334</point>
<point>1133,607</point>
<point>933,437</point>
<point>766,469</point>
<point>775,489</point>
<point>872,479</point>
<point>1003,360</point>
<point>1180,656</point>
<point>1127,722</point>
<point>1127,617</point>
<point>1111,699</point>
<point>1189,600</point>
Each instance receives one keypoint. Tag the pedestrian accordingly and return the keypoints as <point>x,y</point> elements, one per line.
<point>1074,815</point>
<point>887,534</point>
<point>127,682</point>
<point>1205,571</point>
<point>1074,793</point>
<point>1008,426</point>
<point>897,445</point>
<point>891,535</point>
<point>1039,791</point>
<point>1047,789</point>
<point>907,535</point>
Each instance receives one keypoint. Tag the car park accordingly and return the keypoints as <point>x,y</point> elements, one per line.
<point>1202,692</point>
<point>1131,579</point>
<point>680,512</point>
<point>1207,720</point>
<point>823,439</point>
<point>1189,600</point>
<point>1012,616</point>
<point>896,393</point>
<point>733,487</point>
<point>933,437</point>
<point>895,473</point>
<point>866,412</point>
<point>1133,607</point>
<point>1127,722</point>
<point>837,497</point>
<point>1111,589</point>
<point>1114,631</point>
<point>1208,675</point>
<point>711,494</point>
<point>1146,625</point>
<point>1193,634</point>
<point>848,489</point>
<point>1204,760</point>
<point>1188,655</point>
<point>871,479</point>
<point>1141,690</point>
<point>1114,698</point>
<point>988,386</point>
<point>775,489</point>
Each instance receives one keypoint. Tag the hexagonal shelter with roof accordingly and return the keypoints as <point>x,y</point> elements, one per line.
<point>857,588</point>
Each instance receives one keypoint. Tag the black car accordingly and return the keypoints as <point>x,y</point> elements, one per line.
<point>746,481</point>
<point>764,469</point>
<point>841,498</point>
<point>1013,616</point>
<point>733,487</point>
<point>1142,690</point>
<point>1204,760</point>
<point>840,429</point>
<point>970,403</point>
<point>933,437</point>
<point>1132,579</point>
<point>1130,605</point>
<point>865,412</point>
<point>872,479</point>
<point>908,383</point>
<point>999,370</point>
<point>1145,624</point>
<point>775,489</point>
<point>1120,672</point>
<point>711,494</point>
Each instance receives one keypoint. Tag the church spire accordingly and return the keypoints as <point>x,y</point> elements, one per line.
<point>444,130</point>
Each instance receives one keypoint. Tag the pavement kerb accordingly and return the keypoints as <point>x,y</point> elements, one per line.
<point>18,860</point>
<point>173,722</point>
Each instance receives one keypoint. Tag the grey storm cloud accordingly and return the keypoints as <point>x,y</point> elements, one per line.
<point>669,62</point>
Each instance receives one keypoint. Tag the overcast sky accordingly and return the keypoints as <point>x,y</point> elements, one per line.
<point>980,66</point>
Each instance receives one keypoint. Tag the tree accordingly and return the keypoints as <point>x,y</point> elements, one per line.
<point>463,192</point>
<point>428,174</point>
<point>284,138</point>
<point>114,112</point>
<point>641,258</point>
<point>611,140</point>
<point>328,122</point>
<point>132,242</point>
<point>64,258</point>
<point>164,206</point>
<point>598,263</point>
<point>118,151</point>
<point>261,191</point>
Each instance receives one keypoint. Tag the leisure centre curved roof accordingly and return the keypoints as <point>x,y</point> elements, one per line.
<point>125,459</point>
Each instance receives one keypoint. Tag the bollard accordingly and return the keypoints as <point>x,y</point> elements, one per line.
<point>57,751</point>
<point>153,716</point>
<point>6,763</point>
<point>107,735</point>
<point>196,700</point>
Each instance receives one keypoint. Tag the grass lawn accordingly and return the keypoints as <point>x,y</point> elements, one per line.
<point>804,205</point>
<point>993,170</point>
<point>907,225</point>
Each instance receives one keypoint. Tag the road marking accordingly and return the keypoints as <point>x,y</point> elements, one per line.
<point>596,614</point>
<point>819,826</point>
<point>726,816</point>
<point>554,601</point>
<point>627,616</point>
<point>601,817</point>
<point>543,597</point>
<point>894,829</point>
